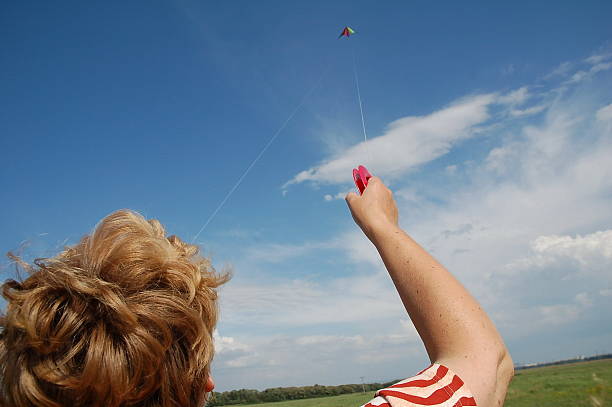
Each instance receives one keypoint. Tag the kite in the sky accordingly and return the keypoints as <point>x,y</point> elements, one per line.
<point>346,32</point>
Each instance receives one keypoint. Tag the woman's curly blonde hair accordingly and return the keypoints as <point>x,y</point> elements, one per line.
<point>123,318</point>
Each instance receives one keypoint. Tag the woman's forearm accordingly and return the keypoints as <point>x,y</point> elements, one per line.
<point>453,326</point>
<point>446,316</point>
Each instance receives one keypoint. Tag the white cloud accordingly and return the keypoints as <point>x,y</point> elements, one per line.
<point>557,314</point>
<point>561,70</point>
<point>580,248</point>
<point>301,302</point>
<point>498,158</point>
<point>407,143</point>
<point>584,299</point>
<point>358,248</point>
<point>339,195</point>
<point>409,194</point>
<point>227,344</point>
<point>512,100</point>
<point>604,66</point>
<point>516,97</point>
<point>605,113</point>
<point>378,355</point>
<point>527,111</point>
<point>582,75</point>
<point>584,259</point>
<point>596,59</point>
<point>578,76</point>
<point>451,169</point>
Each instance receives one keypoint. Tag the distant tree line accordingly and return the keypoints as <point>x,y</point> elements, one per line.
<point>564,361</point>
<point>248,396</point>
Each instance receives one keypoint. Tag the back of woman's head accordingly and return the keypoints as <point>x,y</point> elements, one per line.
<point>123,318</point>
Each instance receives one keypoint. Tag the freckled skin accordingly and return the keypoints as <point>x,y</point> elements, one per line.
<point>458,333</point>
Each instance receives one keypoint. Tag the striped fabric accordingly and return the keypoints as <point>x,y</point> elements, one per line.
<point>435,386</point>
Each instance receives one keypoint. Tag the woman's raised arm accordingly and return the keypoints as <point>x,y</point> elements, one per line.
<point>454,328</point>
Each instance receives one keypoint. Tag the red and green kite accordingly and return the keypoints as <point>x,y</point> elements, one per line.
<point>346,32</point>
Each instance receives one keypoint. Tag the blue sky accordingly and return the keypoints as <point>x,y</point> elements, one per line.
<point>492,123</point>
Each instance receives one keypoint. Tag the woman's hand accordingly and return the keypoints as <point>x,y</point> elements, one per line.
<point>375,210</point>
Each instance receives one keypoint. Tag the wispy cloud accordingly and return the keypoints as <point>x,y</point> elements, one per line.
<point>515,97</point>
<point>599,62</point>
<point>605,113</point>
<point>268,359</point>
<point>335,197</point>
<point>407,143</point>
<point>579,248</point>
<point>277,253</point>
<point>561,70</point>
<point>598,58</point>
<point>302,302</point>
<point>414,141</point>
<point>528,111</point>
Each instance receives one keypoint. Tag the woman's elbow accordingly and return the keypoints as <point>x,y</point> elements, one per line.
<point>506,366</point>
<point>505,373</point>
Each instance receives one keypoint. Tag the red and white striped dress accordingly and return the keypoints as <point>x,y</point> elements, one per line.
<point>435,386</point>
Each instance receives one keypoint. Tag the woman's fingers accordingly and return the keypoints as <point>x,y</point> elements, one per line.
<point>375,208</point>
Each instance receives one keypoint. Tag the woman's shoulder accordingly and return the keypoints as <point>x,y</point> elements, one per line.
<point>436,385</point>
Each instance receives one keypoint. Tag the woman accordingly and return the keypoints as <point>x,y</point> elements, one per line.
<point>125,318</point>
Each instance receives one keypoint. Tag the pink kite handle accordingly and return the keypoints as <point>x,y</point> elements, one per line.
<point>361,175</point>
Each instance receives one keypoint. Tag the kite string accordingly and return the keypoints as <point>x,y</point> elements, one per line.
<point>365,135</point>
<point>261,153</point>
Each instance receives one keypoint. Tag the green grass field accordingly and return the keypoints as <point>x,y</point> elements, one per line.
<point>576,385</point>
